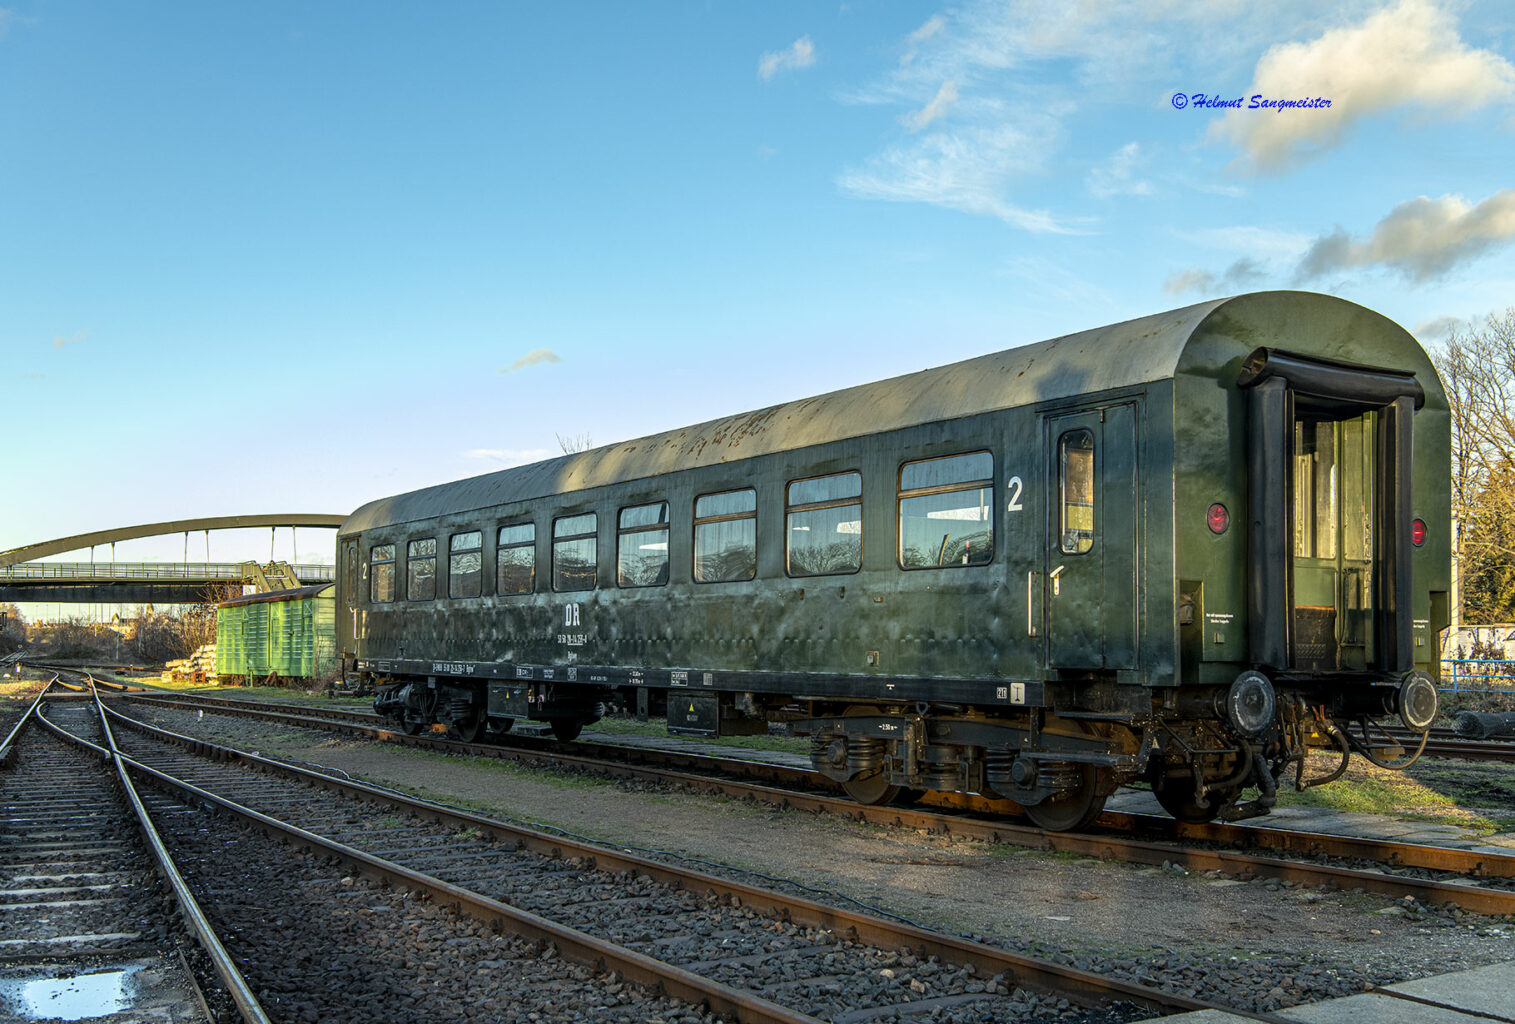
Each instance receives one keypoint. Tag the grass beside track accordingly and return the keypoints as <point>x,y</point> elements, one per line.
<point>1477,797</point>
<point>656,727</point>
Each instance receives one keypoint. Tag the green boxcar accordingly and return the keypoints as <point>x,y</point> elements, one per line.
<point>288,633</point>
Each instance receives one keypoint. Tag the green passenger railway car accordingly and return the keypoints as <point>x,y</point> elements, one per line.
<point>290,634</point>
<point>1185,549</point>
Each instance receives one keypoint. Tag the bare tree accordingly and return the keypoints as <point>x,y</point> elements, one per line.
<point>1477,368</point>
<point>575,443</point>
<point>12,628</point>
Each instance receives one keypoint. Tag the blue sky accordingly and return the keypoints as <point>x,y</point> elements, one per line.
<point>285,256</point>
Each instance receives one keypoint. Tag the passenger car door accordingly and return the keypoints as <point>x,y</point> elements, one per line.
<point>1092,515</point>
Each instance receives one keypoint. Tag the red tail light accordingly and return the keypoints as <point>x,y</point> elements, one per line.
<point>1418,532</point>
<point>1218,519</point>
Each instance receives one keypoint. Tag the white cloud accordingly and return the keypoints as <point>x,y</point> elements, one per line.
<point>1213,188</point>
<point>509,456</point>
<point>1047,280</point>
<point>1259,253</point>
<point>1407,55</point>
<point>1441,327</point>
<point>1017,72</point>
<point>1245,273</point>
<point>937,108</point>
<point>532,358</point>
<point>1422,238</point>
<point>967,170</point>
<point>1250,239</point>
<point>929,28</point>
<point>60,341</point>
<point>1116,176</point>
<point>1191,280</point>
<point>800,54</point>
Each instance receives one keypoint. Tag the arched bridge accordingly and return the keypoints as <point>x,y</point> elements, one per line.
<point>23,578</point>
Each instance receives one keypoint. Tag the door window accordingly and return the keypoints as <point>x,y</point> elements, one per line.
<point>1315,492</point>
<point>1075,459</point>
<point>353,558</point>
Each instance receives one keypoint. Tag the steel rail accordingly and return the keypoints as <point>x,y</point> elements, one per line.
<point>1445,743</point>
<point>1450,859</point>
<point>1028,972</point>
<point>8,747</point>
<point>84,673</point>
<point>1395,854</point>
<point>240,992</point>
<point>1472,750</point>
<point>574,944</point>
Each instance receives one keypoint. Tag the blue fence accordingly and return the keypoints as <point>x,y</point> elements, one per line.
<point>1468,675</point>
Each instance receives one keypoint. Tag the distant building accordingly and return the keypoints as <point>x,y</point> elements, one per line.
<point>1493,642</point>
<point>125,628</point>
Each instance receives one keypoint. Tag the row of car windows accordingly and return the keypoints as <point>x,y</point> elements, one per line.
<point>945,510</point>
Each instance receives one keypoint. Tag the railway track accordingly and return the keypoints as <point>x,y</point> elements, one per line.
<point>319,945</point>
<point>1447,744</point>
<point>768,955</point>
<point>1477,881</point>
<point>88,897</point>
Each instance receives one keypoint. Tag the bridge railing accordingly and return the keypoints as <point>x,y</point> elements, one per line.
<point>88,571</point>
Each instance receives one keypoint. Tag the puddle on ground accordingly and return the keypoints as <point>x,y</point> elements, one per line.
<point>75,997</point>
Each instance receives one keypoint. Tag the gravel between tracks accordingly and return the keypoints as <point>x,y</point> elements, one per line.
<point>1263,944</point>
<point>319,945</point>
<point>90,838</point>
<point>812,969</point>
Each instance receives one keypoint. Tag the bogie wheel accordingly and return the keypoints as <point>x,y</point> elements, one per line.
<point>1177,798</point>
<point>499,727</point>
<point>411,727</point>
<point>1074,809</point>
<point>874,787</point>
<point>567,729</point>
<point>470,731</point>
<point>871,789</point>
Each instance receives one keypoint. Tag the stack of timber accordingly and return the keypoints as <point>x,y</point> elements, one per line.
<point>199,667</point>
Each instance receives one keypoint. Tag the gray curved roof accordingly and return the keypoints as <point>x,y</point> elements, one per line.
<point>1129,353</point>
